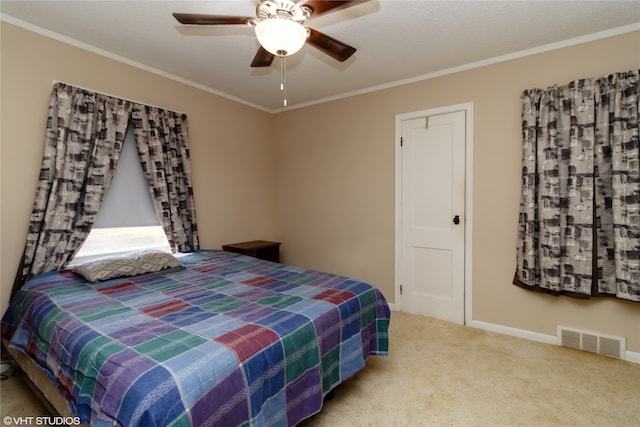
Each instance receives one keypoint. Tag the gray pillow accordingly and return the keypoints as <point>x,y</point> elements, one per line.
<point>125,266</point>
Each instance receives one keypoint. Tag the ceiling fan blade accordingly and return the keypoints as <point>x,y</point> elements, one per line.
<point>263,58</point>
<point>323,6</point>
<point>198,19</point>
<point>332,47</point>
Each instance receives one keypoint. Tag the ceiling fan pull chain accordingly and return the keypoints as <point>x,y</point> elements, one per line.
<point>282,73</point>
<point>283,77</point>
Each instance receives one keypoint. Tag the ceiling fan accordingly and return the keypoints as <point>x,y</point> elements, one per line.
<point>279,27</point>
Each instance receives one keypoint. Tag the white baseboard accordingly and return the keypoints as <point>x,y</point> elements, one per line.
<point>629,356</point>
<point>632,356</point>
<point>514,332</point>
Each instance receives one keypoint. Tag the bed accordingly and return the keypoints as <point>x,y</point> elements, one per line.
<point>220,339</point>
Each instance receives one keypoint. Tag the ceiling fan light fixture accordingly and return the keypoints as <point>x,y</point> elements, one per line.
<point>281,36</point>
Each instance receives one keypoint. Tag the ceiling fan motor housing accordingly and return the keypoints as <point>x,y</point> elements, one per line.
<point>283,9</point>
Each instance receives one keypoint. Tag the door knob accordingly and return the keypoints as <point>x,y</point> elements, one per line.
<point>456,219</point>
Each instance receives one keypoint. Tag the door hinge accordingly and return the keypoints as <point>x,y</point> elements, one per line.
<point>401,141</point>
<point>400,289</point>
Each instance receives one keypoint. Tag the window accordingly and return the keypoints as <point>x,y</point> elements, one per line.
<point>120,240</point>
<point>127,220</point>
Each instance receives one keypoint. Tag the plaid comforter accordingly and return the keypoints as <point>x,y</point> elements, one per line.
<point>229,340</point>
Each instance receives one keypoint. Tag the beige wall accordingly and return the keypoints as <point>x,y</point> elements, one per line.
<point>320,179</point>
<point>335,184</point>
<point>230,161</point>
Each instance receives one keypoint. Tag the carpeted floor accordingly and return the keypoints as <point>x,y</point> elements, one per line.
<point>441,374</point>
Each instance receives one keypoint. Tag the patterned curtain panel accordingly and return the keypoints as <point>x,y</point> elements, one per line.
<point>85,133</point>
<point>579,224</point>
<point>161,138</point>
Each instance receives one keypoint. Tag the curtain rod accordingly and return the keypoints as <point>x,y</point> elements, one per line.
<point>53,82</point>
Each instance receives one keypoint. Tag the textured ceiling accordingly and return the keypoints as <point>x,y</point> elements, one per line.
<point>397,40</point>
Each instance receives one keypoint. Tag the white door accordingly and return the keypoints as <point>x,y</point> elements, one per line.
<point>433,215</point>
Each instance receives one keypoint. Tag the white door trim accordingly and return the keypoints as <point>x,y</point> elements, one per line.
<point>468,215</point>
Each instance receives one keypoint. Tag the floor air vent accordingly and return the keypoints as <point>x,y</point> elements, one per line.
<point>595,342</point>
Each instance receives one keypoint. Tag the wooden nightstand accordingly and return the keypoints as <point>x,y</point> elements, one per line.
<point>262,249</point>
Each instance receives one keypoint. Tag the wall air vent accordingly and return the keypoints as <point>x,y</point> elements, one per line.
<point>595,342</point>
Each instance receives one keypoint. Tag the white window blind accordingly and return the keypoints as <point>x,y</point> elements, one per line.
<point>127,202</point>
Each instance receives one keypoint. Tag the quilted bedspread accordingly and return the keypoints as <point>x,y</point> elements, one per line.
<point>229,340</point>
